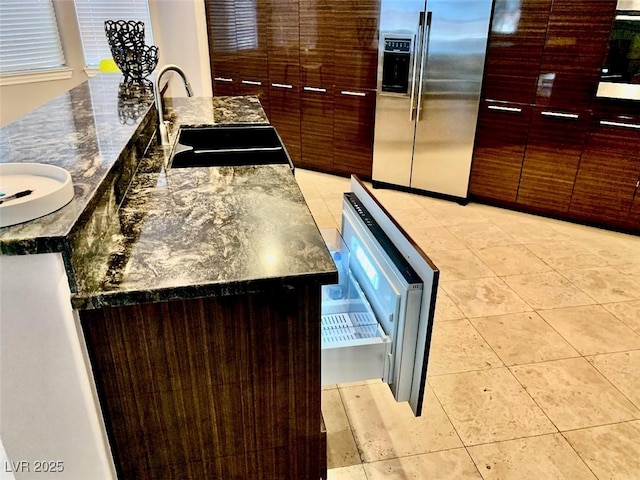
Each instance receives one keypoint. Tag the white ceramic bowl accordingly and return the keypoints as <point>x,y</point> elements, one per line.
<point>52,189</point>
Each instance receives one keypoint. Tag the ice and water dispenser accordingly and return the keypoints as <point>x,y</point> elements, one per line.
<point>396,64</point>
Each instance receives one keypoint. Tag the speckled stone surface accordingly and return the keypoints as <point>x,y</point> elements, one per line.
<point>137,231</point>
<point>88,131</point>
<point>207,231</point>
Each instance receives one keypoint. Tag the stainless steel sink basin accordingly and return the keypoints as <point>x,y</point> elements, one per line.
<point>229,146</point>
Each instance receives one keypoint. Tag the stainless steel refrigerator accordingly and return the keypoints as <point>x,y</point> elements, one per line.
<point>430,67</point>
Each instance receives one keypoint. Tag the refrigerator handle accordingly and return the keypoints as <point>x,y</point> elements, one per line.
<point>424,52</point>
<point>417,53</point>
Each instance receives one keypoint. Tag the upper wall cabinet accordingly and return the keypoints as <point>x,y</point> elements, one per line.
<point>223,46</point>
<point>283,33</point>
<point>317,39</point>
<point>515,49</point>
<point>356,43</point>
<point>574,52</point>
<point>313,64</point>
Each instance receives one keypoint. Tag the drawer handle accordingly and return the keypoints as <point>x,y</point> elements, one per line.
<point>619,124</point>
<point>353,94</point>
<point>505,109</point>
<point>251,82</point>
<point>223,79</point>
<point>315,89</point>
<point>281,85</point>
<point>573,116</point>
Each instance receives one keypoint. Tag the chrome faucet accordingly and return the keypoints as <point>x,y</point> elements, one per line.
<point>163,134</point>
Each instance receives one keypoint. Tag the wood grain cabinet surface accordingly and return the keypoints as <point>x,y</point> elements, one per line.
<point>539,146</point>
<point>554,146</point>
<point>225,387</point>
<point>575,49</point>
<point>606,186</point>
<point>502,135</point>
<point>298,56</point>
<point>514,54</point>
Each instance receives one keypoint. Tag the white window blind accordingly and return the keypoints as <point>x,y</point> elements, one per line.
<point>29,38</point>
<point>91,16</point>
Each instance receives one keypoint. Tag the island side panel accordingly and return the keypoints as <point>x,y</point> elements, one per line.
<point>223,387</point>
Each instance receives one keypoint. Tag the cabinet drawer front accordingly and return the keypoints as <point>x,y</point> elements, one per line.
<point>284,106</point>
<point>606,183</point>
<point>501,138</point>
<point>354,117</point>
<point>551,159</point>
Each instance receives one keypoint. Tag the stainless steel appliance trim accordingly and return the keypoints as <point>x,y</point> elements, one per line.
<point>353,94</point>
<point>315,89</point>
<point>412,104</point>
<point>251,82</point>
<point>619,124</point>
<point>572,116</point>
<point>424,53</point>
<point>505,109</point>
<point>281,85</point>
<point>223,79</point>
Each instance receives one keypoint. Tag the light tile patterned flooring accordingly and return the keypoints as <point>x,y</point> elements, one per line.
<point>534,370</point>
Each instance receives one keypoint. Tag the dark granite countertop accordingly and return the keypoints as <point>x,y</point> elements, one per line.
<point>140,232</point>
<point>86,131</point>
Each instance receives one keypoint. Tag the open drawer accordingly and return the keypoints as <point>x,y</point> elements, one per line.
<point>377,321</point>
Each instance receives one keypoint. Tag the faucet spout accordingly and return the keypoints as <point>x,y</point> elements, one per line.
<point>163,134</point>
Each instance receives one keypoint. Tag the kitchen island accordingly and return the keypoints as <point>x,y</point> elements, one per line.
<point>197,293</point>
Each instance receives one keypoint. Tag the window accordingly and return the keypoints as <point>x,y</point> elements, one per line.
<point>91,16</point>
<point>29,39</point>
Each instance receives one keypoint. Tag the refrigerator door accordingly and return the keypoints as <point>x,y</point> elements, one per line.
<point>454,51</point>
<point>396,103</point>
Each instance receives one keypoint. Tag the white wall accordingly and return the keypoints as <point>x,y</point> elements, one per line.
<point>179,30</point>
<point>48,406</point>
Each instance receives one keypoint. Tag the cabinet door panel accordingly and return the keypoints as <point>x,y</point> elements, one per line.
<point>317,129</point>
<point>609,169</point>
<point>252,20</point>
<point>555,143</point>
<point>515,50</point>
<point>633,220</point>
<point>284,41</point>
<point>574,52</point>
<point>356,43</point>
<point>284,110</point>
<point>317,40</point>
<point>354,115</point>
<point>223,45</point>
<point>501,138</point>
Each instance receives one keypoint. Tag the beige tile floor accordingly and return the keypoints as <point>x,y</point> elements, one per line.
<point>534,371</point>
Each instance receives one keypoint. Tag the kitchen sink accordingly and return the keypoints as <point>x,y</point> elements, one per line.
<point>223,146</point>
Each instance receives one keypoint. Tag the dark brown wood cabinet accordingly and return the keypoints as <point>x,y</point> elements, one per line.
<point>552,156</point>
<point>607,180</point>
<point>355,46</point>
<point>514,54</point>
<point>299,56</point>
<point>354,113</point>
<point>633,220</point>
<point>284,114</point>
<point>316,119</point>
<point>502,134</point>
<point>539,145</point>
<point>223,46</point>
<point>201,389</point>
